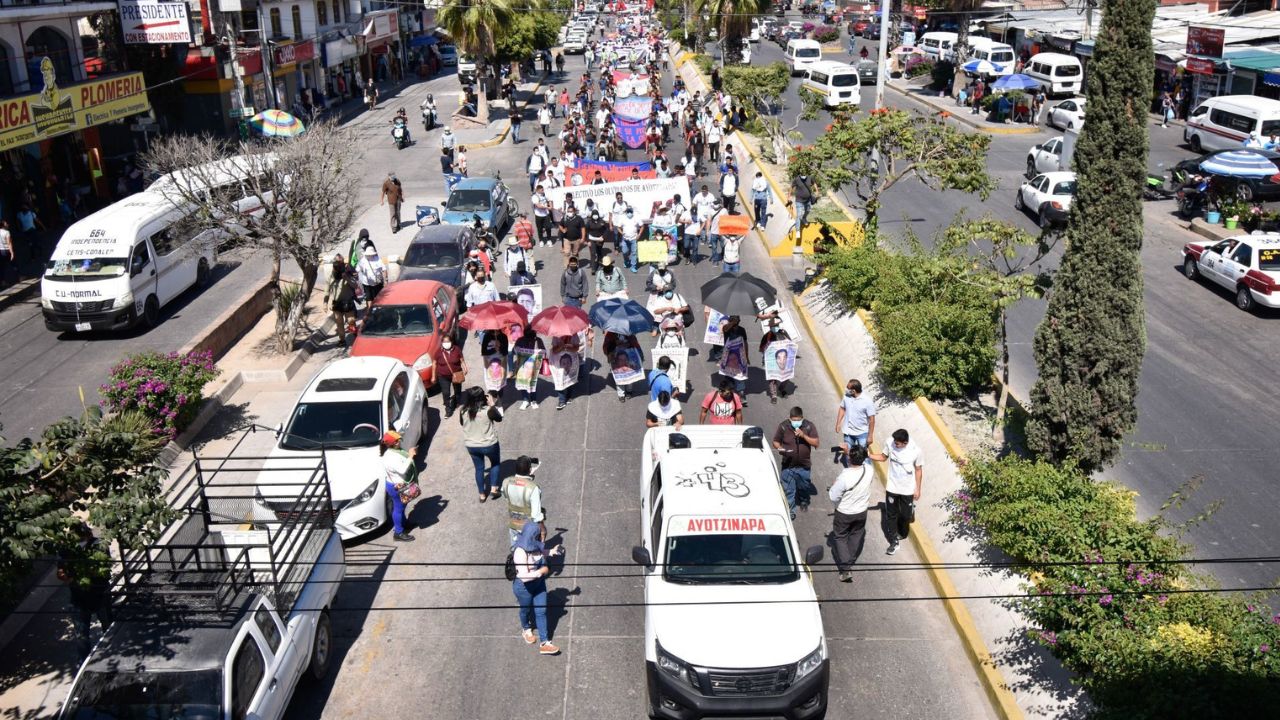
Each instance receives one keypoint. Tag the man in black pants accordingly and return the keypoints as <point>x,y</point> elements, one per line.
<point>851,493</point>
<point>906,476</point>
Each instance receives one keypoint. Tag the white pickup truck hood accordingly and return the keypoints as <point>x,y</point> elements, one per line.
<point>759,631</point>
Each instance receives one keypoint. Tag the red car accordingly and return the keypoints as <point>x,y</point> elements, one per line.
<point>858,26</point>
<point>407,321</point>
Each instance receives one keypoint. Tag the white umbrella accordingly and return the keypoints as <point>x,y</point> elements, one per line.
<point>981,67</point>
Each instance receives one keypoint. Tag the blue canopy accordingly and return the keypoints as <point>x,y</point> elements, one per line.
<point>1016,81</point>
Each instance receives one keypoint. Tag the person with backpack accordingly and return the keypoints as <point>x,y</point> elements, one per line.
<point>524,500</point>
<point>528,572</point>
<point>393,195</point>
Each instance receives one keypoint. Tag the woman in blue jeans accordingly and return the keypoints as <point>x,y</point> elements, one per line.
<point>530,587</point>
<point>479,417</point>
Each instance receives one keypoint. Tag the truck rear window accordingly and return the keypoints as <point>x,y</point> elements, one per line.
<point>192,695</point>
<point>730,558</point>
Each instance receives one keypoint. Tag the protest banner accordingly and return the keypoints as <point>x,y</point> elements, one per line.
<point>641,194</point>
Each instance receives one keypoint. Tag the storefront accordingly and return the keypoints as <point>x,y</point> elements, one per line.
<point>339,57</point>
<point>381,32</point>
<point>294,67</point>
<point>60,138</point>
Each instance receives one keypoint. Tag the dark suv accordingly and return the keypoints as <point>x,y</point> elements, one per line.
<point>438,252</point>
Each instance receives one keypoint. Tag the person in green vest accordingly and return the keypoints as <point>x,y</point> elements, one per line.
<point>524,499</point>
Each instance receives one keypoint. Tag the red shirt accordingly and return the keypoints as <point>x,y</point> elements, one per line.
<point>719,410</point>
<point>523,232</point>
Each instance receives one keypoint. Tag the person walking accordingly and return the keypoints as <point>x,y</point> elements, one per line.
<point>541,210</point>
<point>730,247</point>
<point>481,290</point>
<point>795,440</point>
<point>569,344</point>
<point>572,230</point>
<point>86,569</point>
<point>534,166</point>
<point>514,257</point>
<point>446,169</point>
<point>729,190</point>
<point>906,477</point>
<point>614,344</point>
<point>630,230</point>
<point>1166,109</point>
<point>479,417</point>
<point>544,119</point>
<point>451,371</point>
<point>659,380</point>
<point>530,588</point>
<point>664,411</point>
<point>760,197</point>
<point>776,333</point>
<point>597,234</point>
<point>393,195</point>
<point>721,406</point>
<point>401,476</point>
<point>517,120</point>
<point>524,500</point>
<point>447,141</point>
<point>856,416</point>
<point>802,199</point>
<point>7,255</point>
<point>340,296</point>
<point>523,231</point>
<point>527,345</point>
<point>851,494</point>
<point>573,284</point>
<point>371,273</point>
<point>610,282</point>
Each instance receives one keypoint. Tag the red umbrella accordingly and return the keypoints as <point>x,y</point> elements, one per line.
<point>560,320</point>
<point>494,315</point>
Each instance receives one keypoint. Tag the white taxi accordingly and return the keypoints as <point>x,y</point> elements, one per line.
<point>343,412</point>
<point>1248,266</point>
<point>732,623</point>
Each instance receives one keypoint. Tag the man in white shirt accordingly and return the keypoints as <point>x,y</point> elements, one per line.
<point>601,116</point>
<point>544,119</point>
<point>542,216</point>
<point>851,493</point>
<point>481,290</point>
<point>542,149</point>
<point>729,190</point>
<point>704,209</point>
<point>556,170</point>
<point>856,417</point>
<point>534,166</point>
<point>618,212</point>
<point>713,141</point>
<point>514,257</point>
<point>906,476</point>
<point>630,230</point>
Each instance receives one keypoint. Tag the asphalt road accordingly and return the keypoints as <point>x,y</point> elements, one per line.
<point>1202,410</point>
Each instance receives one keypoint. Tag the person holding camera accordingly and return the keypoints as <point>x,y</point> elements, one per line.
<point>851,493</point>
<point>479,417</point>
<point>906,476</point>
<point>530,587</point>
<point>795,440</point>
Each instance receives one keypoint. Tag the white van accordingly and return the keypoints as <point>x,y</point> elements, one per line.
<point>801,53</point>
<point>1223,122</point>
<point>732,625</point>
<point>996,53</point>
<point>837,83</point>
<point>938,45</point>
<point>1059,74</point>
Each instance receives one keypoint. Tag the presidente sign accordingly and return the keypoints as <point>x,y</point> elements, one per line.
<point>57,110</point>
<point>153,22</point>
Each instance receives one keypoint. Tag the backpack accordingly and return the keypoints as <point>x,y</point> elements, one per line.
<point>509,569</point>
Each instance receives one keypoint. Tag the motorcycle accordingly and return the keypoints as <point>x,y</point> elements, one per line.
<point>1193,198</point>
<point>400,134</point>
<point>1157,188</point>
<point>428,118</point>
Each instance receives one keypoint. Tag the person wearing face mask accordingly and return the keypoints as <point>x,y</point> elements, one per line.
<point>856,417</point>
<point>851,494</point>
<point>664,411</point>
<point>668,308</point>
<point>597,234</point>
<point>776,387</point>
<point>721,406</point>
<point>630,230</point>
<point>660,280</point>
<point>451,371</point>
<point>610,282</point>
<point>795,440</point>
<point>481,291</point>
<point>572,228</point>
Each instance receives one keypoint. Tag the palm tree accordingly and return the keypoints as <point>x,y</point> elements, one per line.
<point>732,19</point>
<point>471,24</point>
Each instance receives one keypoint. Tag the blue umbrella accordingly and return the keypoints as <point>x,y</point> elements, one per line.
<point>626,317</point>
<point>1016,81</point>
<point>1239,163</point>
<point>982,67</point>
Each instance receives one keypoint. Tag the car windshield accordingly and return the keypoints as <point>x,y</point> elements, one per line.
<point>433,255</point>
<point>808,52</point>
<point>192,695</point>
<point>332,424</point>
<point>391,320</point>
<point>86,268</point>
<point>849,80</point>
<point>468,201</point>
<point>729,558</point>
<point>1066,187</point>
<point>1269,259</point>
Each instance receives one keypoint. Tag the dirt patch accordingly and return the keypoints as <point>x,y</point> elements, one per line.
<point>972,420</point>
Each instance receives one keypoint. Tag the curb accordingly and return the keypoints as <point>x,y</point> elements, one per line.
<point>18,292</point>
<point>497,140</point>
<point>993,682</point>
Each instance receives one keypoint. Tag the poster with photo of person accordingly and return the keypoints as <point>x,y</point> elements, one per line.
<point>528,297</point>
<point>783,315</point>
<point>780,360</point>
<point>564,369</point>
<point>495,372</point>
<point>679,372</point>
<point>714,334</point>
<point>626,365</point>
<point>733,363</point>
<point>525,365</point>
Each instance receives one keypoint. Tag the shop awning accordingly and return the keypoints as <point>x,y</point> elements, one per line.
<point>1271,78</point>
<point>423,41</point>
<point>1255,59</point>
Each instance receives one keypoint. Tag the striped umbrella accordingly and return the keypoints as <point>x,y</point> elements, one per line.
<point>982,67</point>
<point>277,123</point>
<point>1239,163</point>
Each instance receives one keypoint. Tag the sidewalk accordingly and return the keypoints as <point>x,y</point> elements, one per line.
<point>1021,678</point>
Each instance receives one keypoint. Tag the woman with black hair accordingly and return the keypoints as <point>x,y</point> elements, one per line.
<point>479,417</point>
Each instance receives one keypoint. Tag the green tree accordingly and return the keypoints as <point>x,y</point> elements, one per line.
<point>1090,344</point>
<point>732,18</point>
<point>866,157</point>
<point>527,34</point>
<point>472,25</point>
<point>1001,259</point>
<point>761,88</point>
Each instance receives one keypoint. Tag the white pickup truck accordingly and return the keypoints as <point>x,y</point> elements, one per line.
<point>732,624</point>
<point>220,619</point>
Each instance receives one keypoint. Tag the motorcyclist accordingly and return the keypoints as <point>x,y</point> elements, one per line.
<point>401,120</point>
<point>428,112</point>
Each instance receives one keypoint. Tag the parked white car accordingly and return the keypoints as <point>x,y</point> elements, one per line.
<point>344,411</point>
<point>1045,157</point>
<point>1068,114</point>
<point>1248,266</point>
<point>1048,196</point>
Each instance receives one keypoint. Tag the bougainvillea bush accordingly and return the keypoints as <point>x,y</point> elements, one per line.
<point>167,388</point>
<point>826,33</point>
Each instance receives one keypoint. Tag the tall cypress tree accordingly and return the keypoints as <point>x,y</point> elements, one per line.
<point>1089,346</point>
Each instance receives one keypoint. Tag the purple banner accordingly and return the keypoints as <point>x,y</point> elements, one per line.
<point>631,131</point>
<point>636,107</point>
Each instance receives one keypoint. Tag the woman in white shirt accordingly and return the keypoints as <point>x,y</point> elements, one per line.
<point>530,587</point>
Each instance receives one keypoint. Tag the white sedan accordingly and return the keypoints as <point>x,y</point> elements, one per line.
<point>1248,266</point>
<point>1068,114</point>
<point>1048,196</point>
<point>1045,157</point>
<point>344,412</point>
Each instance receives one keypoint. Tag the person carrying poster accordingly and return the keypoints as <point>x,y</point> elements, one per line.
<point>714,334</point>
<point>526,362</point>
<point>735,361</point>
<point>495,372</point>
<point>626,362</point>
<point>778,351</point>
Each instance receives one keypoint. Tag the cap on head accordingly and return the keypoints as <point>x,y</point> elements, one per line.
<point>607,261</point>
<point>390,437</point>
<point>370,252</point>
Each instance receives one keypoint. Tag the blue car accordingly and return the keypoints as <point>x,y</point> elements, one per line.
<point>486,198</point>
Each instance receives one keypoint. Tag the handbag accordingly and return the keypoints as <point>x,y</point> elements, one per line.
<point>509,568</point>
<point>410,491</point>
<point>457,376</point>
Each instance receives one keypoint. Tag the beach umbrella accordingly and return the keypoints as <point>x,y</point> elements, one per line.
<point>560,320</point>
<point>1016,81</point>
<point>736,293</point>
<point>625,317</point>
<point>1239,163</point>
<point>981,67</point>
<point>277,123</point>
<point>494,315</point>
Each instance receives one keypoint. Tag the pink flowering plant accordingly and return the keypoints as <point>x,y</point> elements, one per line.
<point>826,33</point>
<point>1114,599</point>
<point>167,388</point>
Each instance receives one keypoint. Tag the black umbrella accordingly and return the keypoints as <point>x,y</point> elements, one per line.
<point>736,293</point>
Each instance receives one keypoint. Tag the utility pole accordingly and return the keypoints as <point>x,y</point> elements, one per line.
<point>1089,5</point>
<point>882,54</point>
